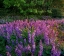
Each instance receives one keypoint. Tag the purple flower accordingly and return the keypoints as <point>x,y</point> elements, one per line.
<point>33,48</point>
<point>38,31</point>
<point>29,36</point>
<point>2,33</point>
<point>16,41</point>
<point>20,47</point>
<point>33,37</point>
<point>8,35</point>
<point>8,48</point>
<point>18,51</point>
<point>55,51</point>
<point>13,42</point>
<point>18,32</point>
<point>46,39</point>
<point>41,48</point>
<point>27,48</point>
<point>8,53</point>
<point>33,42</point>
<point>24,40</point>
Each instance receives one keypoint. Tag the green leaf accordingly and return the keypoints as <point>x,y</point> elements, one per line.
<point>34,10</point>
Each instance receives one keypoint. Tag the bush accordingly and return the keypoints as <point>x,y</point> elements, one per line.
<point>56,13</point>
<point>25,7</point>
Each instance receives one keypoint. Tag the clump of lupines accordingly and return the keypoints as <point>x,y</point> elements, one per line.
<point>17,38</point>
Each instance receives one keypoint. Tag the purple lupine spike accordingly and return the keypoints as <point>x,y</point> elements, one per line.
<point>52,41</point>
<point>33,42</point>
<point>46,32</point>
<point>1,31</point>
<point>9,28</point>
<point>41,48</point>
<point>8,38</point>
<point>8,53</point>
<point>8,48</point>
<point>18,51</point>
<point>18,33</point>
<point>33,48</point>
<point>27,48</point>
<point>46,39</point>
<point>16,41</point>
<point>33,37</point>
<point>4,33</point>
<point>38,31</point>
<point>20,47</point>
<point>29,36</point>
<point>58,52</point>
<point>8,35</point>
<point>55,51</point>
<point>24,40</point>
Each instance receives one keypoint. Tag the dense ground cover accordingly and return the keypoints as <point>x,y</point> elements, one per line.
<point>32,38</point>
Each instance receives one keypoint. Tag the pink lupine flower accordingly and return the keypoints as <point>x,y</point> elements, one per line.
<point>8,54</point>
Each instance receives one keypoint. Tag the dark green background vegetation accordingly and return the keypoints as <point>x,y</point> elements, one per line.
<point>32,8</point>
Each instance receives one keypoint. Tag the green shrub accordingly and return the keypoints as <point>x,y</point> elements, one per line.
<point>2,46</point>
<point>56,13</point>
<point>25,7</point>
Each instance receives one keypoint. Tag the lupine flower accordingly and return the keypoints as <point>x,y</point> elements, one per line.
<point>8,54</point>
<point>27,48</point>
<point>18,33</point>
<point>18,51</point>
<point>41,48</point>
<point>16,41</point>
<point>29,36</point>
<point>2,33</point>
<point>20,47</point>
<point>46,39</point>
<point>8,37</point>
<point>24,40</point>
<point>8,48</point>
<point>33,42</point>
<point>33,48</point>
<point>38,31</point>
<point>55,51</point>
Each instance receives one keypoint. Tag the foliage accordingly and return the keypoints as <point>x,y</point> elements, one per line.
<point>31,7</point>
<point>2,46</point>
<point>25,7</point>
<point>56,13</point>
